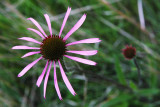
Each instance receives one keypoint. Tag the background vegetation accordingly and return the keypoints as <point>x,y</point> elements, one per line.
<point>112,83</point>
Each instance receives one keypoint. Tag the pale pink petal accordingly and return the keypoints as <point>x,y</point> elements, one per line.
<point>40,78</point>
<point>81,60</point>
<point>76,26</point>
<point>91,40</point>
<point>38,26</point>
<point>30,40</point>
<point>46,79</point>
<point>56,83</point>
<point>49,23</point>
<point>29,66</point>
<point>86,53</point>
<point>64,21</point>
<point>29,54</point>
<point>65,79</point>
<point>36,31</point>
<point>141,14</point>
<point>24,47</point>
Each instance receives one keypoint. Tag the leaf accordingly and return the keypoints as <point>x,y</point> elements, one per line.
<point>148,92</point>
<point>132,85</point>
<point>119,71</point>
<point>119,99</point>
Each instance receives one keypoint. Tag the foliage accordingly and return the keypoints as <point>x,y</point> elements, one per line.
<point>112,83</point>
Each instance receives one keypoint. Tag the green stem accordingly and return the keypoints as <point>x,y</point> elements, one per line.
<point>139,73</point>
<point>63,65</point>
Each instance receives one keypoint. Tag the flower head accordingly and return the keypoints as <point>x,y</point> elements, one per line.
<point>129,52</point>
<point>53,48</point>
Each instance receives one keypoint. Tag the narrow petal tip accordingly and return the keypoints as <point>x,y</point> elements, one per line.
<point>74,94</point>
<point>99,40</point>
<point>69,8</point>
<point>38,85</point>
<point>14,47</point>
<point>96,51</point>
<point>46,15</point>
<point>18,75</point>
<point>94,64</point>
<point>22,57</point>
<point>28,18</point>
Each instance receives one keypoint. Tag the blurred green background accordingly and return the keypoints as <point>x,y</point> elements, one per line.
<point>112,83</point>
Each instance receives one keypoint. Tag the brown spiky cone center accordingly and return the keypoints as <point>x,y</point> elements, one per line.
<point>53,48</point>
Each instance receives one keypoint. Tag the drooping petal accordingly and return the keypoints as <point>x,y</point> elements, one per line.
<point>86,53</point>
<point>56,83</point>
<point>49,23</point>
<point>91,40</point>
<point>40,78</point>
<point>30,53</point>
<point>76,26</point>
<point>46,79</point>
<point>24,47</point>
<point>36,31</point>
<point>64,21</point>
<point>65,79</point>
<point>29,66</point>
<point>38,26</point>
<point>30,40</point>
<point>81,60</point>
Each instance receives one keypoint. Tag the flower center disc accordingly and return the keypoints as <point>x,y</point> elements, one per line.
<point>53,48</point>
<point>130,53</point>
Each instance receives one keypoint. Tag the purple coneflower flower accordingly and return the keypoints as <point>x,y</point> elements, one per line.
<point>53,48</point>
<point>129,52</point>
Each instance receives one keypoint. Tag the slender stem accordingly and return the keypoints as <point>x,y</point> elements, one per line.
<point>63,65</point>
<point>139,73</point>
<point>131,20</point>
<point>101,79</point>
<point>85,90</point>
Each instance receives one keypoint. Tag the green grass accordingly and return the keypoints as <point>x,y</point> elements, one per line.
<point>112,83</point>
